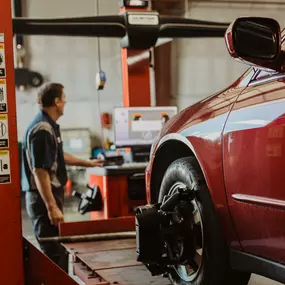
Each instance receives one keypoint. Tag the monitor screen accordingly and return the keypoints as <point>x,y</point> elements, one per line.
<point>139,126</point>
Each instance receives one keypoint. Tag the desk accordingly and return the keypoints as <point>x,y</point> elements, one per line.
<point>122,189</point>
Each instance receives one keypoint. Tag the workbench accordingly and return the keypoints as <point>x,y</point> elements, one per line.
<point>107,262</point>
<point>122,189</point>
<point>118,170</point>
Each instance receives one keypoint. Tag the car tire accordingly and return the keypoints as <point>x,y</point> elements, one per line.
<point>215,267</point>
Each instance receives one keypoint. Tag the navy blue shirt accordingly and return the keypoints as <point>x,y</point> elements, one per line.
<point>42,148</point>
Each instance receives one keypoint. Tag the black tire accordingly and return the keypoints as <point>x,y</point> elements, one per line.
<point>215,267</point>
<point>36,79</point>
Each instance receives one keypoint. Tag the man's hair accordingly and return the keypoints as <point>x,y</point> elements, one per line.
<point>48,93</point>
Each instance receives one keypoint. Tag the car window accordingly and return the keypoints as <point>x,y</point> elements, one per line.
<point>263,74</point>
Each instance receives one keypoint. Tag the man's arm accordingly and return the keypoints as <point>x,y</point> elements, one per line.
<point>43,184</point>
<point>74,161</point>
<point>43,153</point>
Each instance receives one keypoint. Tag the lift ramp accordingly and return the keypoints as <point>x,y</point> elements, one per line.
<point>107,262</point>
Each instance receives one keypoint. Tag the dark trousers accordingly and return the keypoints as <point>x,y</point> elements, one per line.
<point>42,226</point>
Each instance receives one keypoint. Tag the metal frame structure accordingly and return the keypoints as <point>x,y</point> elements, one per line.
<point>136,76</point>
<point>11,245</point>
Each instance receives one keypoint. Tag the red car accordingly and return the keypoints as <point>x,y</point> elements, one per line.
<point>216,177</point>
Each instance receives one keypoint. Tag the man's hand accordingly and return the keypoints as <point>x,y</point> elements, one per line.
<point>55,216</point>
<point>74,161</point>
<point>95,162</point>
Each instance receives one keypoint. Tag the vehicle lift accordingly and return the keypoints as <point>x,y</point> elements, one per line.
<point>103,251</point>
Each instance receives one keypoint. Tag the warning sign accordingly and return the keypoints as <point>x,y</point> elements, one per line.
<point>5,171</point>
<point>2,61</point>
<point>1,38</point>
<point>3,96</point>
<point>4,138</point>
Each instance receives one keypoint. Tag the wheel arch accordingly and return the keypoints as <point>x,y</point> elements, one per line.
<point>170,148</point>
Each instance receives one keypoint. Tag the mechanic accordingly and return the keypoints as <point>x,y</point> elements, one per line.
<point>44,168</point>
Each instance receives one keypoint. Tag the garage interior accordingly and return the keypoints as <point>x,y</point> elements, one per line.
<point>181,73</point>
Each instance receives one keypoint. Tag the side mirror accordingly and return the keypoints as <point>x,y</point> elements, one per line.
<point>255,41</point>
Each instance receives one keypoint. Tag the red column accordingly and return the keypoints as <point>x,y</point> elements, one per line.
<point>11,264</point>
<point>136,75</point>
<point>163,72</point>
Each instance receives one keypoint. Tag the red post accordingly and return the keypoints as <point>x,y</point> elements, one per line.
<point>163,72</point>
<point>136,74</point>
<point>11,264</point>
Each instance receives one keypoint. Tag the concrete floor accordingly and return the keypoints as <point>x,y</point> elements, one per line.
<point>71,214</point>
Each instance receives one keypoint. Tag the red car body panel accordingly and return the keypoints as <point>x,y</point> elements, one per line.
<point>237,136</point>
<point>254,166</point>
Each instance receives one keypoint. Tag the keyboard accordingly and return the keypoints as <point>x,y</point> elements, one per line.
<point>135,164</point>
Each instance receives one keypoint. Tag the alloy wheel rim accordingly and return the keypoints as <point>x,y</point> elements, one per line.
<point>187,272</point>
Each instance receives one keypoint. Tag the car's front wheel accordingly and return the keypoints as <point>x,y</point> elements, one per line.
<point>210,266</point>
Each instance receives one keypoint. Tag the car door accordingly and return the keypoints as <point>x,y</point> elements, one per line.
<point>254,166</point>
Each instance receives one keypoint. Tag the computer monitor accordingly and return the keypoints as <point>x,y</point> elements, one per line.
<point>139,126</point>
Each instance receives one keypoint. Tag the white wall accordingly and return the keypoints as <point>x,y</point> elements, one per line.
<point>202,67</point>
<point>73,62</point>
